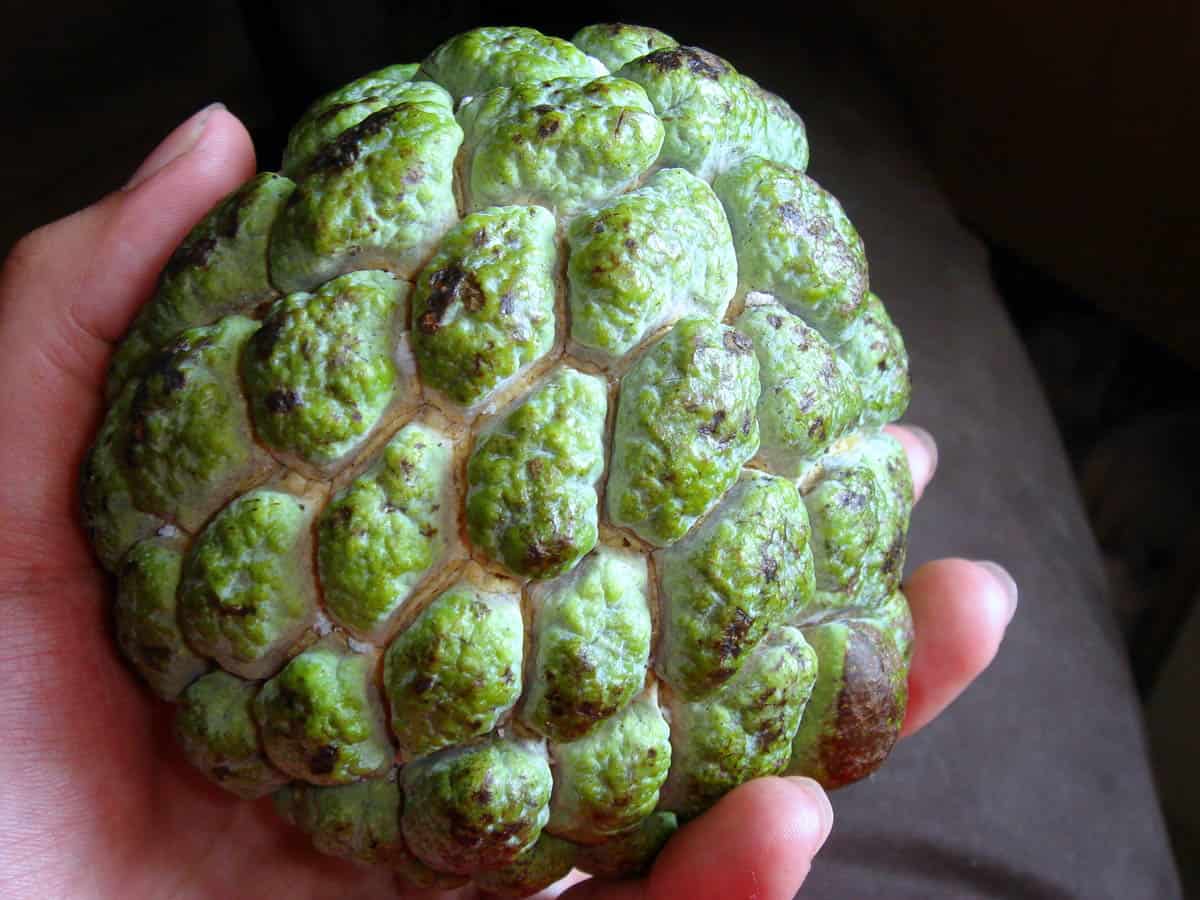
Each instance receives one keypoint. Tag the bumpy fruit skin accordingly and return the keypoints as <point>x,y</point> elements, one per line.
<point>505,482</point>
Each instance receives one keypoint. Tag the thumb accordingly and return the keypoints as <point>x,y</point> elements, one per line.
<point>757,842</point>
<point>71,288</point>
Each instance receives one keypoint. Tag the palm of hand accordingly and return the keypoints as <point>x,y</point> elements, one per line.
<point>95,798</point>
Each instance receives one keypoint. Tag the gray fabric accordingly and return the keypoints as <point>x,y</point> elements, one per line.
<point>1036,783</point>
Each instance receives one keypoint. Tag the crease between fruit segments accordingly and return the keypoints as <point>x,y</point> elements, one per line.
<point>504,482</point>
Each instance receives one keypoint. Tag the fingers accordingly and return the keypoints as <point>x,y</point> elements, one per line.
<point>922,454</point>
<point>758,841</point>
<point>960,611</point>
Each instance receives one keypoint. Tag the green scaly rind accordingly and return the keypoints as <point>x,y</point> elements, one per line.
<point>809,398</point>
<point>875,352</point>
<point>483,307</point>
<point>246,592</point>
<point>321,719</point>
<point>538,867</point>
<point>723,587</point>
<point>383,532</point>
<point>219,269</point>
<point>359,821</point>
<point>474,62</point>
<point>319,374</point>
<point>474,808</point>
<point>565,144</point>
<point>859,507</point>
<point>713,115</point>
<point>795,243</point>
<point>215,726</point>
<point>188,444</point>
<point>629,854</point>
<point>531,499</point>
<point>861,694</point>
<point>455,671</point>
<point>648,257</point>
<point>616,44</point>
<point>378,197</point>
<point>685,426</point>
<point>112,522</point>
<point>744,730</point>
<point>345,107</point>
<point>609,781</point>
<point>147,627</point>
<point>591,634</point>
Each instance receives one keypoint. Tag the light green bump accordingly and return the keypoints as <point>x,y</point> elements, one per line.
<point>608,781</point>
<point>565,144</point>
<point>616,44</point>
<point>630,854</point>
<point>383,532</point>
<point>591,635</point>
<point>247,593</point>
<point>713,115</point>
<point>112,522</point>
<point>474,808</point>
<point>795,243</point>
<point>147,628</point>
<point>685,426</point>
<point>359,821</point>
<point>321,718</point>
<point>348,105</point>
<point>215,727</point>
<point>860,698</point>
<point>647,258</point>
<point>483,307</point>
<point>809,398</point>
<point>859,507</point>
<point>455,671</point>
<point>745,729</point>
<point>875,351</point>
<point>378,197</point>
<point>538,867</point>
<point>723,587</point>
<point>320,373</point>
<point>476,61</point>
<point>219,269</point>
<point>188,444</point>
<point>531,499</point>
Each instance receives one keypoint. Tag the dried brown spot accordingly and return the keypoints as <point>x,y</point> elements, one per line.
<point>711,427</point>
<point>548,126</point>
<point>345,150</point>
<point>446,286</point>
<point>631,244</point>
<point>816,429</point>
<point>736,342</point>
<point>734,635</point>
<point>191,255</point>
<point>699,62</point>
<point>281,401</point>
<point>541,556</point>
<point>421,684</point>
<point>775,321</point>
<point>322,762</point>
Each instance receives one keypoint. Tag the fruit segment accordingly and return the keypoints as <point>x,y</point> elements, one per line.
<point>685,426</point>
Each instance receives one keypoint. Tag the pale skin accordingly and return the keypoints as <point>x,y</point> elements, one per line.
<point>95,799</point>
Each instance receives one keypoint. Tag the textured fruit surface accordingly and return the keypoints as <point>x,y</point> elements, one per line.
<point>503,482</point>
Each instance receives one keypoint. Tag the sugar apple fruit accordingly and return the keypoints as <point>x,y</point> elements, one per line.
<point>503,481</point>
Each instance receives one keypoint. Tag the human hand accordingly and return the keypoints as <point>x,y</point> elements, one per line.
<point>95,799</point>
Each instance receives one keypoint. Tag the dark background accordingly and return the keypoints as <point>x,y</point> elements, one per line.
<point>1065,135</point>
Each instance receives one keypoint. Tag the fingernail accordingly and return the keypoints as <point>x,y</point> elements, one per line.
<point>174,145</point>
<point>819,800</point>
<point>928,443</point>
<point>1001,575</point>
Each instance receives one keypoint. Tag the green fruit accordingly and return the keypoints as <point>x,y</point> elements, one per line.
<point>504,482</point>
